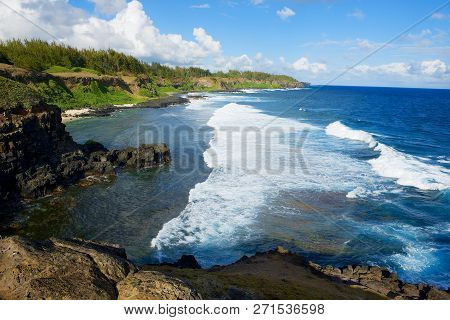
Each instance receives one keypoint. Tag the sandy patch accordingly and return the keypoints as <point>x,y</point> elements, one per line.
<point>73,114</point>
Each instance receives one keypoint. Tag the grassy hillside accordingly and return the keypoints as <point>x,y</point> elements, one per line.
<point>78,78</point>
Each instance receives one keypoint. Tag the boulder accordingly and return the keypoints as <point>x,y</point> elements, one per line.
<point>60,269</point>
<point>153,285</point>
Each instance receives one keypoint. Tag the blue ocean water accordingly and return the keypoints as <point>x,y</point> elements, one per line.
<point>339,174</point>
<point>374,189</point>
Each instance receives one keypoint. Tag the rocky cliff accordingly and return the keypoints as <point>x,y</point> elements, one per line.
<point>37,154</point>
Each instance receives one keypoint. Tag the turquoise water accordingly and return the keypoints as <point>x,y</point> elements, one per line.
<point>342,175</point>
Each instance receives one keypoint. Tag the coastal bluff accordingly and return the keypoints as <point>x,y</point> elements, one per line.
<point>38,155</point>
<point>79,269</point>
<point>76,269</point>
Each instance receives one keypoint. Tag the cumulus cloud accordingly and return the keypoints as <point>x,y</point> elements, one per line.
<point>433,67</point>
<point>357,14</point>
<point>130,31</point>
<point>303,64</point>
<point>285,13</point>
<point>201,6</point>
<point>206,41</point>
<point>109,6</point>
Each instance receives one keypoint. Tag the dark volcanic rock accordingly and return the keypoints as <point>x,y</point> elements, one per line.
<point>37,154</point>
<point>187,261</point>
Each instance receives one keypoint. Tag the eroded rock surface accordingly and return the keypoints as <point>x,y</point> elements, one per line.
<point>381,281</point>
<point>77,269</point>
<point>56,269</point>
<point>153,285</point>
<point>37,154</point>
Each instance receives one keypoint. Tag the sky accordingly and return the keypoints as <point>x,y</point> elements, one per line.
<point>337,42</point>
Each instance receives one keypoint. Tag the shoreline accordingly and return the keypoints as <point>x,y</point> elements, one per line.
<point>163,102</point>
<point>81,269</point>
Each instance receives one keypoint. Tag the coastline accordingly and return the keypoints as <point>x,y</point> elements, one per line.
<point>339,273</point>
<point>78,269</point>
<point>163,102</point>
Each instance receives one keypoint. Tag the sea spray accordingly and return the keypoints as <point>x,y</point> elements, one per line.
<point>406,169</point>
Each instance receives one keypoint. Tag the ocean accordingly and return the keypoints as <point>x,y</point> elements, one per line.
<point>342,175</point>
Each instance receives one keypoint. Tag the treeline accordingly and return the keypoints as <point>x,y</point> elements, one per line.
<point>40,55</point>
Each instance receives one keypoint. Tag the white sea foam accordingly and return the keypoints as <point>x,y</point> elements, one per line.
<point>416,255</point>
<point>406,169</point>
<point>339,130</point>
<point>251,90</point>
<point>227,203</point>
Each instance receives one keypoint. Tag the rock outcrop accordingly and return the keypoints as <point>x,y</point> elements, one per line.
<point>381,281</point>
<point>37,154</point>
<point>153,285</point>
<point>279,274</point>
<point>76,269</point>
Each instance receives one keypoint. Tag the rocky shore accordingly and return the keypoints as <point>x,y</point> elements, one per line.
<point>37,154</point>
<point>77,269</point>
<point>163,102</point>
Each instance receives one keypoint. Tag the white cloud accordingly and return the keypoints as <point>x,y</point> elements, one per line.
<point>130,31</point>
<point>433,67</point>
<point>257,2</point>
<point>366,44</point>
<point>206,41</point>
<point>109,6</point>
<point>244,63</point>
<point>439,16</point>
<point>285,13</point>
<point>303,64</point>
<point>397,68</point>
<point>201,6</point>
<point>357,14</point>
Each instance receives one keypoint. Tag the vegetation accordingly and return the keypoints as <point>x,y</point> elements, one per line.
<point>13,93</point>
<point>156,80</point>
<point>94,95</point>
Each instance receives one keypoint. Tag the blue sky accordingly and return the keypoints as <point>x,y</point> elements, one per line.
<point>313,40</point>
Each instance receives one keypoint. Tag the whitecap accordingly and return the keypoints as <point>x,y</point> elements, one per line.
<point>407,170</point>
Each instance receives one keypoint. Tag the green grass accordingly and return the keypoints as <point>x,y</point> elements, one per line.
<point>164,91</point>
<point>60,69</point>
<point>94,95</point>
<point>13,93</point>
<point>57,69</point>
<point>256,85</point>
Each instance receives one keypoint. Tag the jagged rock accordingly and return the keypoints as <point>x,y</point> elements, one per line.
<point>152,285</point>
<point>411,291</point>
<point>78,269</point>
<point>187,261</point>
<point>57,269</point>
<point>37,154</point>
<point>381,281</point>
<point>436,294</point>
